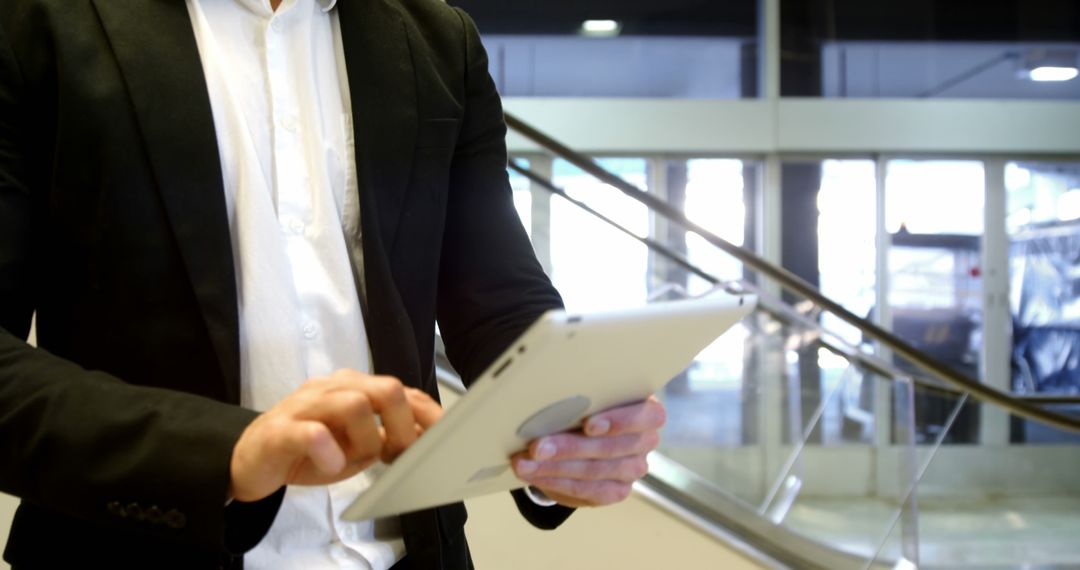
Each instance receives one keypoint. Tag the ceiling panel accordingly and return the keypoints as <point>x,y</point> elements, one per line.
<point>639,17</point>
<point>919,20</point>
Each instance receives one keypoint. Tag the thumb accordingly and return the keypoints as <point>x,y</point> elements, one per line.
<point>425,410</point>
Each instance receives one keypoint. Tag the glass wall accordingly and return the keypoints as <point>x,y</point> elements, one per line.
<point>714,402</point>
<point>655,67</point>
<point>694,49</point>
<point>846,233</point>
<point>1043,222</point>
<point>688,49</point>
<point>598,267</point>
<point>716,194</point>
<point>930,49</point>
<point>934,215</point>
<point>847,214</point>
<point>949,70</point>
<point>595,266</point>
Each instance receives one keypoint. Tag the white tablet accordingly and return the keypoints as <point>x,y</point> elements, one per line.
<point>563,369</point>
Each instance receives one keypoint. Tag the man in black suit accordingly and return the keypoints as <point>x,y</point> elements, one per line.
<point>122,434</point>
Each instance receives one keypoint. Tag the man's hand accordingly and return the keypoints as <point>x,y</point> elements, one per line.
<point>599,466</point>
<point>327,431</point>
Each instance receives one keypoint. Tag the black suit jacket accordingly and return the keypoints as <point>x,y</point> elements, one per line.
<point>117,434</point>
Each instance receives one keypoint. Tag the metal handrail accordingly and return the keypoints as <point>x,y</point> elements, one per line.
<point>789,317</point>
<point>704,506</point>
<point>778,311</point>
<point>793,283</point>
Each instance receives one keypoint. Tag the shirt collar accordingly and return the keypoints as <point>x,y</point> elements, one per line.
<point>259,6</point>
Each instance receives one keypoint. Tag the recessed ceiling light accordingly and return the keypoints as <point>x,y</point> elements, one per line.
<point>1050,64</point>
<point>1049,73</point>
<point>600,28</point>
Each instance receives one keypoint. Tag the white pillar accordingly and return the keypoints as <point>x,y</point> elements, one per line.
<point>883,408</point>
<point>995,366</point>
<point>541,164</point>
<point>772,364</point>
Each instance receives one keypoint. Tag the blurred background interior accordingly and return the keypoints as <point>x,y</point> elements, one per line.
<point>917,162</point>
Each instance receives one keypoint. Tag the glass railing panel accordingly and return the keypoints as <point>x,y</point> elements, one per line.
<point>716,410</point>
<point>845,501</point>
<point>868,500</point>
<point>999,503</point>
<point>712,430</point>
<point>750,400</point>
<point>717,407</point>
<point>890,552</point>
<point>865,454</point>
<point>714,407</point>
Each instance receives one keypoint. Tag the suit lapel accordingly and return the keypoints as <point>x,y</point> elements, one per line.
<point>383,91</point>
<point>155,47</point>
<point>173,110</point>
<point>382,86</point>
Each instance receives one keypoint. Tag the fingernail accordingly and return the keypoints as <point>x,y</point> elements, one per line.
<point>545,450</point>
<point>525,466</point>
<point>598,427</point>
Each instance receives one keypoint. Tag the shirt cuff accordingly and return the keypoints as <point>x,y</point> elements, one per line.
<point>537,496</point>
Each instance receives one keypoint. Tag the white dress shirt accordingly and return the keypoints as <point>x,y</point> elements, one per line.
<point>282,116</point>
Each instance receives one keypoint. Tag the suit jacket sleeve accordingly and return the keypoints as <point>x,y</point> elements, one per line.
<point>85,443</point>
<point>491,287</point>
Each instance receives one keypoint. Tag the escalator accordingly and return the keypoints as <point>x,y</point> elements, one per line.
<point>899,462</point>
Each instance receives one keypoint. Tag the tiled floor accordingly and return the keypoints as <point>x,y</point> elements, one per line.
<point>707,432</point>
<point>992,533</point>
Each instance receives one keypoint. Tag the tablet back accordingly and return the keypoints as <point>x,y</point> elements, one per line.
<point>563,369</point>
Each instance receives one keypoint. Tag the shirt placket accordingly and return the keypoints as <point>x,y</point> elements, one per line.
<point>291,177</point>
<point>290,171</point>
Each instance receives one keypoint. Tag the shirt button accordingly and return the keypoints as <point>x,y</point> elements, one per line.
<point>311,331</point>
<point>154,515</point>
<point>135,511</point>
<point>174,519</point>
<point>277,24</point>
<point>296,226</point>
